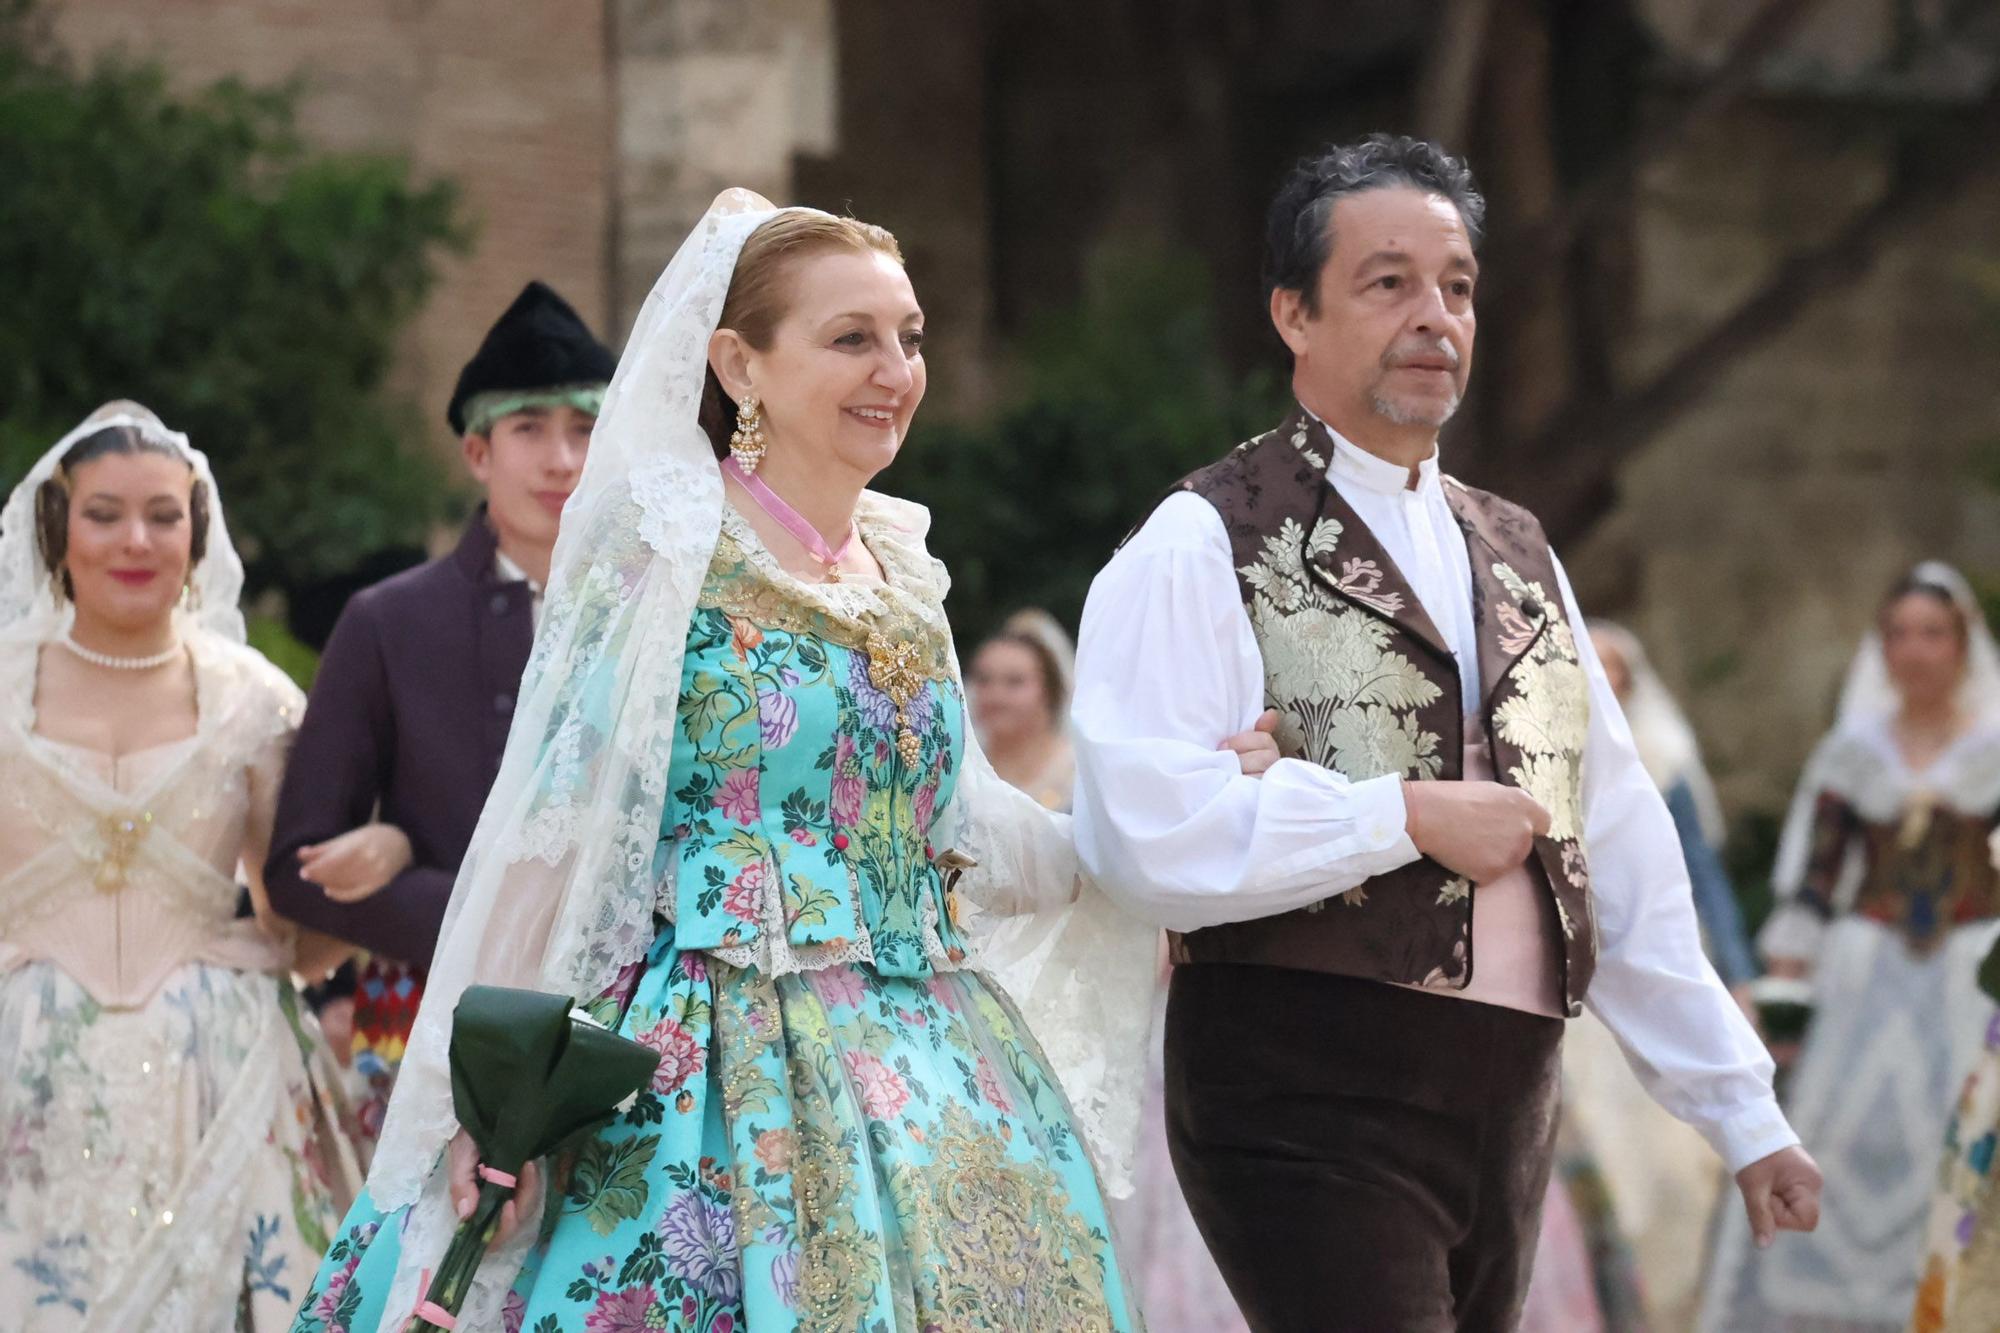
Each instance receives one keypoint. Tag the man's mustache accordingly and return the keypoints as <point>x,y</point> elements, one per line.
<point>1403,354</point>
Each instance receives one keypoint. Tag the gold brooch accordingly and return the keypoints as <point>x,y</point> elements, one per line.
<point>894,669</point>
<point>122,835</point>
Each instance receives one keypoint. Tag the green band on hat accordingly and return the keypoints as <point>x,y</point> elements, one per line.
<point>482,410</point>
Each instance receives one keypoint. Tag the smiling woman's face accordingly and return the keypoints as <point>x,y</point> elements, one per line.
<point>130,537</point>
<point>1923,642</point>
<point>844,370</point>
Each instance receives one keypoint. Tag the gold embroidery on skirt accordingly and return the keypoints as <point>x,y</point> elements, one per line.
<point>837,1271</point>
<point>1007,1251</point>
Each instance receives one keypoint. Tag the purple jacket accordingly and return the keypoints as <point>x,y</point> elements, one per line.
<point>408,717</point>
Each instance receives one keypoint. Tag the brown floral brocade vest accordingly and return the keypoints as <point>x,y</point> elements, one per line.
<point>1366,685</point>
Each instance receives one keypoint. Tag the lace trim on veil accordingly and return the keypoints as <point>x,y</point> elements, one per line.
<point>558,891</point>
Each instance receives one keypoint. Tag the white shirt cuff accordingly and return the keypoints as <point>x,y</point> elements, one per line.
<point>1377,841</point>
<point>1384,819</point>
<point>1750,1135</point>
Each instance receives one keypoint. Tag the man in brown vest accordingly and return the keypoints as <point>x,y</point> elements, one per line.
<point>1378,939</point>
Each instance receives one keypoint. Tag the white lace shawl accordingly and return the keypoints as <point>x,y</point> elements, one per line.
<point>557,891</point>
<point>1858,760</point>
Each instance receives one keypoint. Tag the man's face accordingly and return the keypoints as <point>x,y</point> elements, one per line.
<point>1391,338</point>
<point>529,463</point>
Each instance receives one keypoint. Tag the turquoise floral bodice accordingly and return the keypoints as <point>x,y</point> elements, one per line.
<point>802,798</point>
<point>847,1129</point>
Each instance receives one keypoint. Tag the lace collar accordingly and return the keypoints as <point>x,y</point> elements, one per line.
<point>1861,763</point>
<point>747,580</point>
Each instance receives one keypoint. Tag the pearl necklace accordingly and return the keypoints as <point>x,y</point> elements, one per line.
<point>96,658</point>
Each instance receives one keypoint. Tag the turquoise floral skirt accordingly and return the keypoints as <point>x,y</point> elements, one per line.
<point>832,1150</point>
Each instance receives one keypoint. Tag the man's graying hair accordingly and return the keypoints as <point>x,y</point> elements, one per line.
<point>1298,234</point>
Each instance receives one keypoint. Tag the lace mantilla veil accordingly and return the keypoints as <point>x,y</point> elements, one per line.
<point>29,610</point>
<point>557,891</point>
<point>1867,697</point>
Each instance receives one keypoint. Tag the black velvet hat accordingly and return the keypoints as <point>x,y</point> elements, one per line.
<point>540,343</point>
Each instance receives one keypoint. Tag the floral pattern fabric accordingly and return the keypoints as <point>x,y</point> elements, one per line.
<point>845,1130</point>
<point>832,1149</point>
<point>794,812</point>
<point>174,1154</point>
<point>1959,1288</point>
<point>110,1114</point>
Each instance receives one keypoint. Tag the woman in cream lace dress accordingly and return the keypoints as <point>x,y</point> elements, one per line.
<point>170,1160</point>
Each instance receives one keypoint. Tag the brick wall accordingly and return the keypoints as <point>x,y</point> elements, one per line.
<point>511,100</point>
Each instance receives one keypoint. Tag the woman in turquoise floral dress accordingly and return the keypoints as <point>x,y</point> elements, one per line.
<point>849,1128</point>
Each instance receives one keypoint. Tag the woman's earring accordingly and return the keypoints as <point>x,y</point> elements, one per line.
<point>746,444</point>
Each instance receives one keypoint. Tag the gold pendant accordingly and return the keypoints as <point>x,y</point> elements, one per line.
<point>893,667</point>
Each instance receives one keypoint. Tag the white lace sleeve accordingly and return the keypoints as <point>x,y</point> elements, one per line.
<point>1080,970</point>
<point>1024,858</point>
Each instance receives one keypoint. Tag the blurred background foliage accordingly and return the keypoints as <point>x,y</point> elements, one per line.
<point>1115,398</point>
<point>191,252</point>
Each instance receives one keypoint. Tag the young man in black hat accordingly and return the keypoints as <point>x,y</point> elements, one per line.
<point>409,714</point>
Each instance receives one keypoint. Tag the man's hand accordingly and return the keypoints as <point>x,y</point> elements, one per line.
<point>1480,830</point>
<point>1780,1193</point>
<point>358,863</point>
<point>1257,748</point>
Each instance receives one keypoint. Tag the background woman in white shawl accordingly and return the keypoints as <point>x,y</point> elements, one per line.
<point>1019,682</point>
<point>728,806</point>
<point>173,1159</point>
<point>1887,900</point>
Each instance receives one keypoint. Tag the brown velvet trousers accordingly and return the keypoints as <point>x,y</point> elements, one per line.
<point>1360,1158</point>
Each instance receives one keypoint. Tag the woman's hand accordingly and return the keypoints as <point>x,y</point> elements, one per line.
<point>358,863</point>
<point>1256,749</point>
<point>461,1159</point>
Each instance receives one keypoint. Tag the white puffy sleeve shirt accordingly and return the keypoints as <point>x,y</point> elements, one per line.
<point>1167,824</point>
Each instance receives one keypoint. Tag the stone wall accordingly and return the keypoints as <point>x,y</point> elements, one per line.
<point>1754,537</point>
<point>709,94</point>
